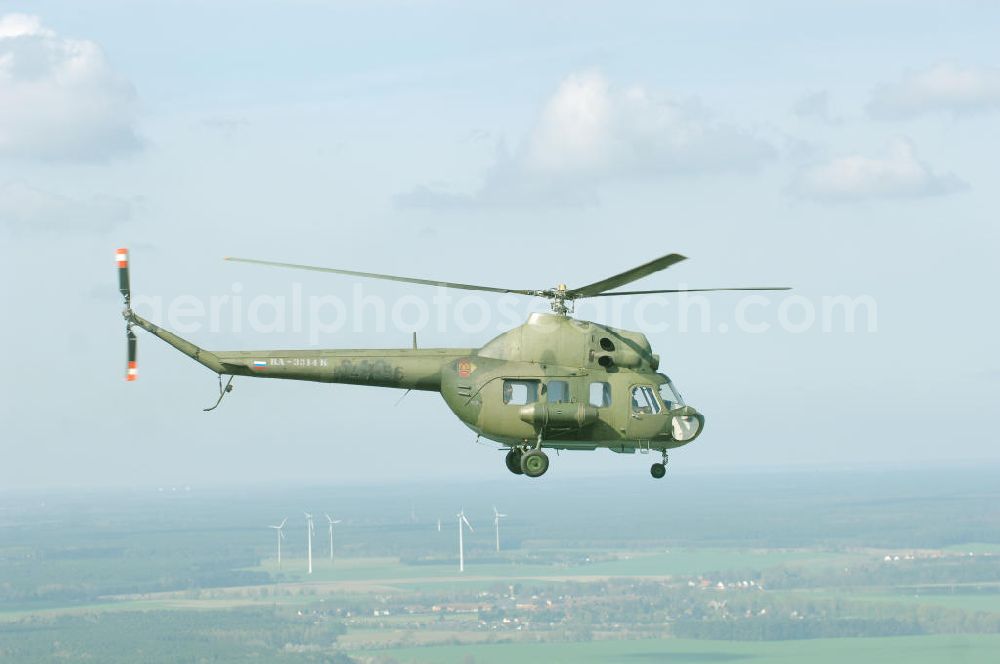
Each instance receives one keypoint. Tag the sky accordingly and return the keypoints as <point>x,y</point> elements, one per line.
<point>845,149</point>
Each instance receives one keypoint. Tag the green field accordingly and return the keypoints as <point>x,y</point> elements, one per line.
<point>908,650</point>
<point>676,562</point>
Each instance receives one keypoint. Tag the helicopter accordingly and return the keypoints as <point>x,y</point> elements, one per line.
<point>554,382</point>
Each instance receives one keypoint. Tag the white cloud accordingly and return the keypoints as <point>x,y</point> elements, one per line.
<point>25,209</point>
<point>942,88</point>
<point>816,105</point>
<point>59,97</point>
<point>589,133</point>
<point>590,128</point>
<point>897,174</point>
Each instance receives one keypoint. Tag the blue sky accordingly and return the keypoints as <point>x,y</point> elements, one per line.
<point>839,148</point>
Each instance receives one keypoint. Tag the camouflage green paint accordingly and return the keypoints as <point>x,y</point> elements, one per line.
<point>547,347</point>
<point>552,382</point>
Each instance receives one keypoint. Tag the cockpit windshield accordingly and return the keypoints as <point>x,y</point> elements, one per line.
<point>669,394</point>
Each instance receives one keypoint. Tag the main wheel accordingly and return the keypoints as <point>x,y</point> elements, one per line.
<point>513,461</point>
<point>534,463</point>
<point>657,470</point>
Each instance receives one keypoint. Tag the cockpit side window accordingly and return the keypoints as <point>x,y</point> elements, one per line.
<point>644,400</point>
<point>520,392</point>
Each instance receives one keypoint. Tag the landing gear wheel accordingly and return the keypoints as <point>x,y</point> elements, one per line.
<point>534,463</point>
<point>513,462</point>
<point>657,470</point>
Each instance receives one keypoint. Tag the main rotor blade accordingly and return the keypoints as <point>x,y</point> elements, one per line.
<point>626,277</point>
<point>387,277</point>
<point>691,290</point>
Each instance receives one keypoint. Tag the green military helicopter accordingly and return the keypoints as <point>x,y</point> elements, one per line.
<point>553,383</point>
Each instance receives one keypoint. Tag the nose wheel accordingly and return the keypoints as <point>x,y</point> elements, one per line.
<point>658,470</point>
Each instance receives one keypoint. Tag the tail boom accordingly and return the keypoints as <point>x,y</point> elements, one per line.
<point>410,369</point>
<point>200,355</point>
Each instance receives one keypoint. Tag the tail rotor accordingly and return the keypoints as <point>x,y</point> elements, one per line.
<point>131,369</point>
<point>123,282</point>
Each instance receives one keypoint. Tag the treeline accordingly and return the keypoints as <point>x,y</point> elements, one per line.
<point>944,570</point>
<point>61,591</point>
<point>786,629</point>
<point>780,618</point>
<point>222,637</point>
<point>50,578</point>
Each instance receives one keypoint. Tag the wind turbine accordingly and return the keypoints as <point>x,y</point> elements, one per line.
<point>496,524</point>
<point>461,544</point>
<point>331,522</point>
<point>309,535</point>
<point>281,535</point>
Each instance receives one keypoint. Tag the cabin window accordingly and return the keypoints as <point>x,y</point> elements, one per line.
<point>644,400</point>
<point>600,394</point>
<point>520,392</point>
<point>558,391</point>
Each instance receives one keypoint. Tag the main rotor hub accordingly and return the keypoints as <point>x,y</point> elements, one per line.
<point>558,297</point>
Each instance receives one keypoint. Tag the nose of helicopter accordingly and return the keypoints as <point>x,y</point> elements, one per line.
<point>686,424</point>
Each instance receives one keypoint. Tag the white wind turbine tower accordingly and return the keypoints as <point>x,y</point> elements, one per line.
<point>496,524</point>
<point>309,538</point>
<point>331,521</point>
<point>281,536</point>
<point>462,522</point>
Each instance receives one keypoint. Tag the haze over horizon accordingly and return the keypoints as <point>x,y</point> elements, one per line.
<point>842,149</point>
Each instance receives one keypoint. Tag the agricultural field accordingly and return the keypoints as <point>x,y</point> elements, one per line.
<point>911,650</point>
<point>890,570</point>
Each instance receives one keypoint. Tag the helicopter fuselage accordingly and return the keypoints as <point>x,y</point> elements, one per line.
<point>553,382</point>
<point>581,385</point>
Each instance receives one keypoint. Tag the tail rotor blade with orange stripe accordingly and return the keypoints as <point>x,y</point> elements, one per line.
<point>131,369</point>
<point>121,256</point>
